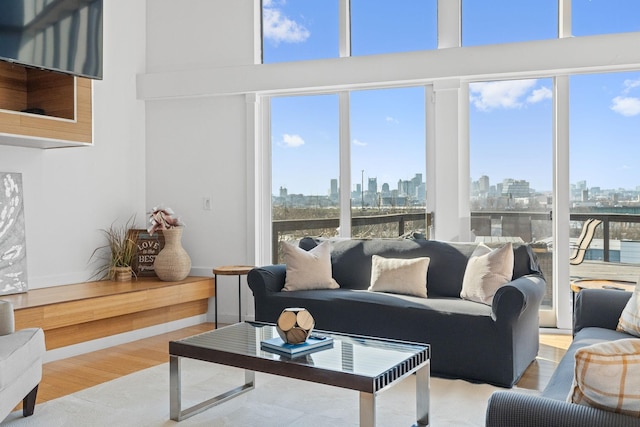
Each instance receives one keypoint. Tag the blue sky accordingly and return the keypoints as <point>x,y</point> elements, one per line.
<point>510,121</point>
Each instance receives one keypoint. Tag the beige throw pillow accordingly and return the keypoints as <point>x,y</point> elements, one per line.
<point>629,321</point>
<point>487,270</point>
<point>607,376</point>
<point>400,276</point>
<point>308,269</point>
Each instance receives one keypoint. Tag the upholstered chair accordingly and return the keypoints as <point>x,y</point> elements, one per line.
<point>21,354</point>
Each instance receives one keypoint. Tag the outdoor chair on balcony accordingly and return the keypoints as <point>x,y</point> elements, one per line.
<point>586,236</point>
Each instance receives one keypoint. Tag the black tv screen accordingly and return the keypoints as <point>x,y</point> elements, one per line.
<point>59,35</point>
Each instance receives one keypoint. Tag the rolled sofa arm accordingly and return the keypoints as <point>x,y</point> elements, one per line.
<point>270,278</point>
<point>509,409</point>
<point>599,308</point>
<point>7,321</point>
<point>513,298</point>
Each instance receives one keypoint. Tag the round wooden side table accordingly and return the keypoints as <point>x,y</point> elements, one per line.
<point>621,285</point>
<point>231,270</point>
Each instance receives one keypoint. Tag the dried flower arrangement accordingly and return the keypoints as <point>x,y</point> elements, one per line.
<point>162,219</point>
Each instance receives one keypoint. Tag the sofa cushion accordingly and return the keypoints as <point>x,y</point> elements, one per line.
<point>351,260</point>
<point>630,318</point>
<point>486,271</point>
<point>308,269</point>
<point>401,276</point>
<point>607,376</point>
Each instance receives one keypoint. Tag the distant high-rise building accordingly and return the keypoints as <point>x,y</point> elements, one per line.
<point>333,194</point>
<point>283,191</point>
<point>483,184</point>
<point>385,189</point>
<point>585,195</point>
<point>373,186</point>
<point>515,188</point>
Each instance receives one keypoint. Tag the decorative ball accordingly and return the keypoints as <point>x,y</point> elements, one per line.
<point>295,325</point>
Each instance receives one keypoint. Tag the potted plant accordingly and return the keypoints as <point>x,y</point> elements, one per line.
<point>117,254</point>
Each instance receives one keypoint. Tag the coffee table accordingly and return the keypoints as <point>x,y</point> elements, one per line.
<point>364,364</point>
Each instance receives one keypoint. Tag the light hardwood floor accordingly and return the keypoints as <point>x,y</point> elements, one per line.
<point>70,375</point>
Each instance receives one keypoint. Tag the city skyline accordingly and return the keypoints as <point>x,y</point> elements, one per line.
<point>355,188</point>
<point>510,124</point>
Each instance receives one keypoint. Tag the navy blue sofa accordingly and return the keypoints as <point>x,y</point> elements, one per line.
<point>477,342</point>
<point>595,319</point>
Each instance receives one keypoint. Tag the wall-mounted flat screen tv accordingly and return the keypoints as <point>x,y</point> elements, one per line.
<point>58,35</point>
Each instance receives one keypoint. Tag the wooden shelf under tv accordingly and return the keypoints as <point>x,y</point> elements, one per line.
<point>66,101</point>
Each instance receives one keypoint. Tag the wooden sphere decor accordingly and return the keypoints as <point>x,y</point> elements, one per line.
<point>295,325</point>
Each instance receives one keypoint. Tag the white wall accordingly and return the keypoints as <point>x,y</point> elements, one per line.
<point>71,193</point>
<point>196,146</point>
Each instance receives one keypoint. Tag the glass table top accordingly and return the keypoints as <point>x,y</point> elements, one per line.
<point>360,356</point>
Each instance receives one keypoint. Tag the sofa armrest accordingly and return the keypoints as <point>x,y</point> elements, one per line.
<point>598,308</point>
<point>270,278</point>
<point>508,409</point>
<point>513,298</point>
<point>7,321</point>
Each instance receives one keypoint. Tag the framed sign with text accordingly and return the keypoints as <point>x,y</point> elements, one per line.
<point>147,247</point>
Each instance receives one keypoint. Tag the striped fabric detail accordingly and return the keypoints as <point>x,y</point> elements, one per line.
<point>607,376</point>
<point>629,321</point>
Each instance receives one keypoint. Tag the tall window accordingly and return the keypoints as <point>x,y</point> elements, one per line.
<point>382,26</point>
<point>297,30</point>
<point>387,170</point>
<point>388,160</point>
<point>510,125</point>
<point>605,177</point>
<point>305,165</point>
<point>590,17</point>
<point>508,21</point>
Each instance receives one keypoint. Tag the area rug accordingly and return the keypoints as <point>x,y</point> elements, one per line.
<point>142,399</point>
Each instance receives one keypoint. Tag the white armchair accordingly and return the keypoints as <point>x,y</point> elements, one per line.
<point>21,355</point>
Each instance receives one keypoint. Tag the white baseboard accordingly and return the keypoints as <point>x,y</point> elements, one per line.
<point>118,339</point>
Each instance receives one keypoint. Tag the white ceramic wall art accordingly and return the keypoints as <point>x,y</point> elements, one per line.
<point>13,252</point>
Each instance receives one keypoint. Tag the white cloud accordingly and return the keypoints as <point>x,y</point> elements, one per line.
<point>508,94</point>
<point>390,119</point>
<point>292,141</point>
<point>278,28</point>
<point>539,94</point>
<point>360,143</point>
<point>630,84</point>
<point>627,106</point>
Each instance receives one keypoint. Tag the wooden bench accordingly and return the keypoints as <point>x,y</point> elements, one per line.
<point>71,314</point>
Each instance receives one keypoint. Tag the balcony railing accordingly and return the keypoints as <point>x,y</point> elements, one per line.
<point>607,220</point>
<point>280,227</point>
<point>291,225</point>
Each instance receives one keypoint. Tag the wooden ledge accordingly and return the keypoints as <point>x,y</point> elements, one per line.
<point>71,314</point>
